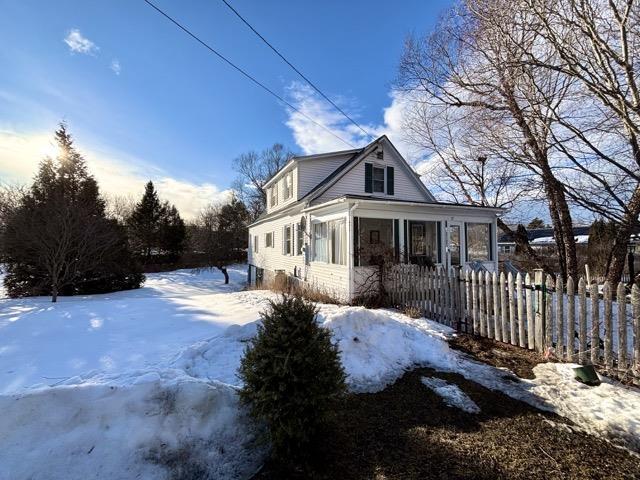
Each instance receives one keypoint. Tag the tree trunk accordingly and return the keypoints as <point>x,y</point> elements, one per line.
<point>54,293</point>
<point>621,241</point>
<point>523,246</point>
<point>225,273</point>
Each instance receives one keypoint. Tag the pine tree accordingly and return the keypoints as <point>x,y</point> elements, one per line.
<point>144,224</point>
<point>172,232</point>
<point>156,228</point>
<point>292,377</point>
<point>59,241</point>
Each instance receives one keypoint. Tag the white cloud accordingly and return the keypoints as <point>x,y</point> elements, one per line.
<point>79,44</point>
<point>115,66</point>
<point>116,172</point>
<point>314,139</point>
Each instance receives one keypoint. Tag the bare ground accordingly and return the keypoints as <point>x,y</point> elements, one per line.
<point>407,432</point>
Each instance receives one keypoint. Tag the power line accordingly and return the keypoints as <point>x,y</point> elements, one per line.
<point>243,72</point>
<point>275,50</point>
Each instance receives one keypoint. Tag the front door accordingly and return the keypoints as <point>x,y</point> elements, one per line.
<point>454,250</point>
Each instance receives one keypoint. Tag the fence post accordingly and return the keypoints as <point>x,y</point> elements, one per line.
<point>512,311</point>
<point>530,318</point>
<point>559,317</point>
<point>487,284</point>
<point>622,326</point>
<point>496,307</point>
<point>481,305</point>
<point>608,323</point>
<point>635,303</point>
<point>595,323</point>
<point>582,334</point>
<point>503,306</point>
<point>474,288</point>
<point>540,309</point>
<point>571,320</point>
<point>548,333</point>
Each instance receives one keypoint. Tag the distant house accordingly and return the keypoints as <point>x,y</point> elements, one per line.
<point>542,238</point>
<point>325,211</point>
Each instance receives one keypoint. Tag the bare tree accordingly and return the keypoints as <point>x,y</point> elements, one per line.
<point>62,242</point>
<point>596,44</point>
<point>220,232</point>
<point>254,170</point>
<point>470,66</point>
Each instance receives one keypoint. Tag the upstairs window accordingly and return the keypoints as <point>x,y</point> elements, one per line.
<point>273,197</point>
<point>288,185</point>
<point>378,180</point>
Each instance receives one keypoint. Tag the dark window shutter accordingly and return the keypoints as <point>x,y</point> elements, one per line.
<point>439,241</point>
<point>396,239</point>
<point>356,237</point>
<point>390,181</point>
<point>368,178</point>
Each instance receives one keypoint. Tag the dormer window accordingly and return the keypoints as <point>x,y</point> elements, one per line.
<point>288,185</point>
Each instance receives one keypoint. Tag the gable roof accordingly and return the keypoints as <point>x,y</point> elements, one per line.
<point>359,155</point>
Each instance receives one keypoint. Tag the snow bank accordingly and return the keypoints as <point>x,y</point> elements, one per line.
<point>451,394</point>
<point>127,426</point>
<point>609,409</point>
<point>378,346</point>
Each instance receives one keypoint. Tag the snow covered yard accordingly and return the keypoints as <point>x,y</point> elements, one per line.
<point>136,384</point>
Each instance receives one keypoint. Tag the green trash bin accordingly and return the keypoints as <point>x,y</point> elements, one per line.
<point>587,374</point>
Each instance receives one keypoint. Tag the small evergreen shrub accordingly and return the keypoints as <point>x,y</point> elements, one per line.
<point>292,377</point>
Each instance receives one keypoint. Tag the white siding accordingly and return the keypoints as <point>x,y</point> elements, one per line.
<point>352,183</point>
<point>313,171</point>
<point>333,279</point>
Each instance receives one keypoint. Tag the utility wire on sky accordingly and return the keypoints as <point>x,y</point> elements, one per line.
<point>243,72</point>
<point>275,50</point>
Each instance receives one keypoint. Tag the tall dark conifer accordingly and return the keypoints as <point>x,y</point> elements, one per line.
<point>59,241</point>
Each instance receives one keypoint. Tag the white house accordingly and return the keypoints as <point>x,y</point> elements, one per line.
<point>325,210</point>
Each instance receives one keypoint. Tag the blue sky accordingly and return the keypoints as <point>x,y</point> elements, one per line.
<point>145,101</point>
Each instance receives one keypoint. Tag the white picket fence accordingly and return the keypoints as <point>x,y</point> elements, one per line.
<point>576,322</point>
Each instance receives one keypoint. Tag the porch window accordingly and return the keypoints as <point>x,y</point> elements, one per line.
<point>299,239</point>
<point>319,232</point>
<point>423,243</point>
<point>338,242</point>
<point>478,236</point>
<point>330,242</point>
<point>375,239</point>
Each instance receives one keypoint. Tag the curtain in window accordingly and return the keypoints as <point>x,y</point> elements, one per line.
<point>320,242</point>
<point>338,236</point>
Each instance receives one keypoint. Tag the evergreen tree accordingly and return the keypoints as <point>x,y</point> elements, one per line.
<point>155,228</point>
<point>58,240</point>
<point>172,232</point>
<point>144,224</point>
<point>536,223</point>
<point>292,377</point>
